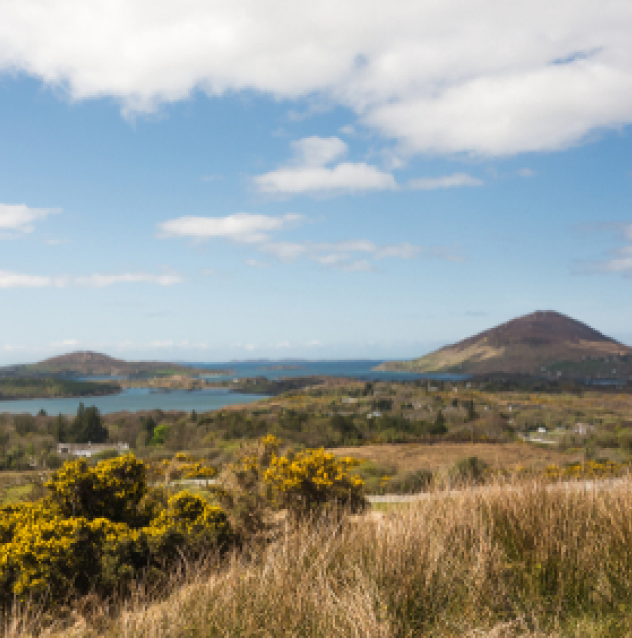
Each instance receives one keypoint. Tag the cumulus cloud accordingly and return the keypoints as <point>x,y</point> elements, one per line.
<point>240,227</point>
<point>483,77</point>
<point>20,218</point>
<point>308,172</point>
<point>17,280</point>
<point>447,181</point>
<point>258,230</point>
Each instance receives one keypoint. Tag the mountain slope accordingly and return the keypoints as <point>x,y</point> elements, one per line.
<point>90,364</point>
<point>540,342</point>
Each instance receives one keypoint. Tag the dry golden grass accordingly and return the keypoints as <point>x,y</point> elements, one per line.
<point>415,456</point>
<point>505,561</point>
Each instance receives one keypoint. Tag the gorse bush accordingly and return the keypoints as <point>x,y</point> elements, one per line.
<point>314,480</point>
<point>305,484</point>
<point>99,528</point>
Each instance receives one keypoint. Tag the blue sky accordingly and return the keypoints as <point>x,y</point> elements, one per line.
<point>200,182</point>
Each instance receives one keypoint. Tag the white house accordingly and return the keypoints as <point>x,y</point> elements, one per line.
<point>89,449</point>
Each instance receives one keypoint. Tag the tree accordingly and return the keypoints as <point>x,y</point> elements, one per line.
<point>87,426</point>
<point>440,420</point>
<point>471,414</point>
<point>148,426</point>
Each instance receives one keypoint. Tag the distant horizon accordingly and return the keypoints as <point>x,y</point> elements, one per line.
<point>280,359</point>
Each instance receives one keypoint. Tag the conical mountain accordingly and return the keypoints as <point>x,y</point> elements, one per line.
<point>542,342</point>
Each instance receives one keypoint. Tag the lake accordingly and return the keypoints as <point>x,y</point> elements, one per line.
<point>136,399</point>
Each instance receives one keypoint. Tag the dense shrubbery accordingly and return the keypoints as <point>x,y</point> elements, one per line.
<point>100,527</point>
<point>312,480</point>
<point>304,483</point>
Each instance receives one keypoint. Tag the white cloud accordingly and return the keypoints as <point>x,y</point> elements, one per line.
<point>240,227</point>
<point>101,281</point>
<point>254,263</point>
<point>283,344</point>
<point>343,177</point>
<point>314,343</point>
<point>318,151</point>
<point>257,230</point>
<point>620,260</point>
<point>20,218</point>
<point>308,171</point>
<point>285,251</point>
<point>400,251</point>
<point>17,280</point>
<point>334,259</point>
<point>483,77</point>
<point>66,343</point>
<point>55,242</point>
<point>447,181</point>
<point>526,172</point>
<point>340,255</point>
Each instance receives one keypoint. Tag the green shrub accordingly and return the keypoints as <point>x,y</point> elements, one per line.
<point>468,470</point>
<point>408,482</point>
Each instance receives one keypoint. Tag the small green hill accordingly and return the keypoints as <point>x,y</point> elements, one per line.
<point>77,364</point>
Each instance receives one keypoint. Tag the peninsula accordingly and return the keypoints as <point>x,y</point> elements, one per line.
<point>94,364</point>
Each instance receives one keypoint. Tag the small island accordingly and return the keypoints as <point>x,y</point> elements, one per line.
<point>91,374</point>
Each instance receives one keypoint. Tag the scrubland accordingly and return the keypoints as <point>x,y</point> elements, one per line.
<point>508,560</point>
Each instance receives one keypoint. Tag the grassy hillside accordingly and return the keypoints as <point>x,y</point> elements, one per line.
<point>541,343</point>
<point>94,364</point>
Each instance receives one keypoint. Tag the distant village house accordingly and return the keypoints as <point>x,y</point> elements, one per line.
<point>90,449</point>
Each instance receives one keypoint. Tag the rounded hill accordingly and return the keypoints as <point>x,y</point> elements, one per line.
<point>543,342</point>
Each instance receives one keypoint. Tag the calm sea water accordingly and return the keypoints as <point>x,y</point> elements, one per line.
<point>136,399</point>
<point>360,369</point>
